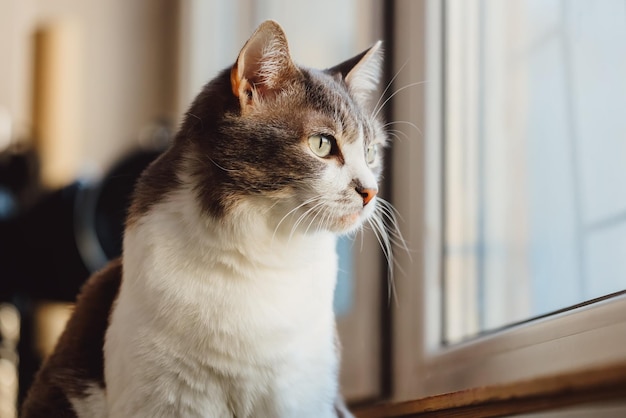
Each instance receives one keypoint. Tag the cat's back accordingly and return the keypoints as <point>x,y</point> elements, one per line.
<point>71,382</point>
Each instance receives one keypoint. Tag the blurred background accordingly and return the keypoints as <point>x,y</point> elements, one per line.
<point>509,155</point>
<point>90,93</point>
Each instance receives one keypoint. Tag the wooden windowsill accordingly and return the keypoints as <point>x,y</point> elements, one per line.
<point>580,387</point>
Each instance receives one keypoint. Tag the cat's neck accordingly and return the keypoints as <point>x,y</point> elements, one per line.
<point>178,256</point>
<point>252,232</point>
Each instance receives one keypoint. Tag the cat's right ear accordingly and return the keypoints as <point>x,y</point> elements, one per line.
<point>362,73</point>
<point>263,65</point>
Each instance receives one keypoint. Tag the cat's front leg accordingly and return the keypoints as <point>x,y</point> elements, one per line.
<point>150,374</point>
<point>170,396</point>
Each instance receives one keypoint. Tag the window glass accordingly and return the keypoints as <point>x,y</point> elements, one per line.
<point>344,292</point>
<point>534,157</point>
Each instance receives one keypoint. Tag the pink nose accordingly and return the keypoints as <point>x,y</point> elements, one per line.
<point>367,194</point>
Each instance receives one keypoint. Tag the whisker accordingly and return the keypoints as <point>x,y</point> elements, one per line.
<point>396,134</point>
<point>393,228</point>
<point>404,122</point>
<point>306,202</point>
<point>379,233</point>
<point>314,209</point>
<point>361,234</point>
<point>417,83</point>
<point>313,220</point>
<point>375,111</point>
<point>220,167</point>
<point>197,117</point>
<point>388,206</point>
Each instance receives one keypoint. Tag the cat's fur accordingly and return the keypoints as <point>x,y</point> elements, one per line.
<point>222,303</point>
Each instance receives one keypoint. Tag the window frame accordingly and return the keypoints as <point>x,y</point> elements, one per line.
<point>591,335</point>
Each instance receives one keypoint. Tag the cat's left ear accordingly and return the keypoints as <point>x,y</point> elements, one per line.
<point>362,73</point>
<point>263,66</point>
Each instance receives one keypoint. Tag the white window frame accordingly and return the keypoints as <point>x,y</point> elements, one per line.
<point>589,336</point>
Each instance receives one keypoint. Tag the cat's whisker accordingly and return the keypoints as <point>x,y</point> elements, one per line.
<point>375,111</point>
<point>404,122</point>
<point>389,208</point>
<point>417,83</point>
<point>220,167</point>
<point>300,219</point>
<point>396,134</point>
<point>306,231</point>
<point>388,217</point>
<point>384,224</point>
<point>393,233</point>
<point>380,234</point>
<point>361,230</point>
<point>379,231</point>
<point>322,224</point>
<point>306,202</point>
<point>314,209</point>
<point>197,117</point>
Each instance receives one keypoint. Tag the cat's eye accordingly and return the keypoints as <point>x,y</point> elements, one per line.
<point>321,145</point>
<point>370,153</point>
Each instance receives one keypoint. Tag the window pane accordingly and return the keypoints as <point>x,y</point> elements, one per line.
<point>535,158</point>
<point>344,291</point>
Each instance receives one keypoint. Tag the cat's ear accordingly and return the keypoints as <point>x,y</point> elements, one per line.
<point>263,65</point>
<point>362,73</point>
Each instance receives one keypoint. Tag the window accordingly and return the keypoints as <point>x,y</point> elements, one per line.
<point>535,156</point>
<point>472,111</point>
<point>510,191</point>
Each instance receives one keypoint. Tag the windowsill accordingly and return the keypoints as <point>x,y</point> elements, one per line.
<point>545,393</point>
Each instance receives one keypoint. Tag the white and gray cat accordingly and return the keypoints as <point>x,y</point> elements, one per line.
<point>221,305</point>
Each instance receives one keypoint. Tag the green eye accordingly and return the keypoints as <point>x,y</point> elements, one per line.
<point>320,145</point>
<point>370,153</point>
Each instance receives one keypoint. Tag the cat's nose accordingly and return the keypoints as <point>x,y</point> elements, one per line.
<point>367,194</point>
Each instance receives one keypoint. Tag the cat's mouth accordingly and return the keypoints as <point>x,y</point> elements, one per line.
<point>321,216</point>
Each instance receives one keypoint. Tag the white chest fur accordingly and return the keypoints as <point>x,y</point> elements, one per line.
<point>219,321</point>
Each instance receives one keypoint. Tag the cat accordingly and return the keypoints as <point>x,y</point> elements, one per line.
<point>221,304</point>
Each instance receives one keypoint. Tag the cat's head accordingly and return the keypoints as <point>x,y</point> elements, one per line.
<point>301,143</point>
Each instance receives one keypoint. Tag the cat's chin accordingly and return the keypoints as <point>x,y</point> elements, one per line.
<point>350,222</point>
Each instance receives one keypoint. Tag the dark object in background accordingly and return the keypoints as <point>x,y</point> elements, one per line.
<point>49,251</point>
<point>19,171</point>
<point>110,213</point>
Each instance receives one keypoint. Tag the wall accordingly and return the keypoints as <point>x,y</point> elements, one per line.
<point>128,62</point>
